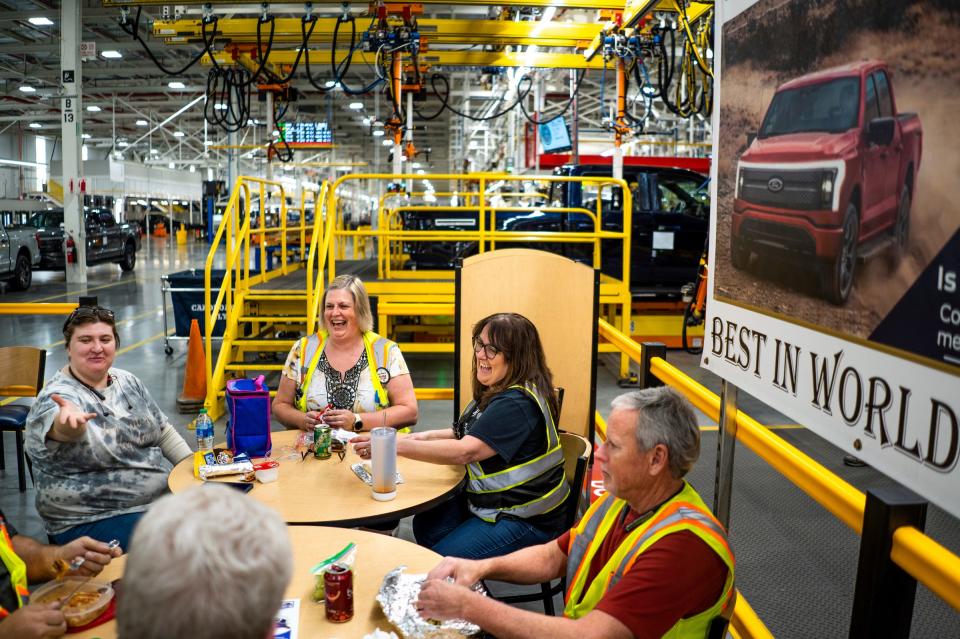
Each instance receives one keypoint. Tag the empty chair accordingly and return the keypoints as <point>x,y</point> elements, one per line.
<point>21,375</point>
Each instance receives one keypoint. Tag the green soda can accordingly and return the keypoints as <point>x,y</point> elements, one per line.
<point>321,441</point>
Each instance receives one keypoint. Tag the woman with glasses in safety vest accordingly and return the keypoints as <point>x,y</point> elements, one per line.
<point>101,447</point>
<point>345,375</point>
<point>516,488</point>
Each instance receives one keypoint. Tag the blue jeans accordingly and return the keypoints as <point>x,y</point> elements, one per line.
<point>119,527</point>
<point>453,531</point>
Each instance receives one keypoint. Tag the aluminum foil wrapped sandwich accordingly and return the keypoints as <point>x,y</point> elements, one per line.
<point>398,599</point>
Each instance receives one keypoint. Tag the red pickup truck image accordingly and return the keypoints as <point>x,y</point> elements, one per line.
<point>830,175</point>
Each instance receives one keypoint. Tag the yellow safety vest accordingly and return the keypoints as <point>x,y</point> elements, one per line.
<point>378,350</point>
<point>507,491</point>
<point>16,568</point>
<point>685,511</point>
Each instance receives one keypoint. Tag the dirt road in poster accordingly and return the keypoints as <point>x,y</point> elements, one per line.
<point>768,45</point>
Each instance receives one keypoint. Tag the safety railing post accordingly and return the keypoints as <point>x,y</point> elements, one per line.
<point>648,351</point>
<point>884,594</point>
<point>726,445</point>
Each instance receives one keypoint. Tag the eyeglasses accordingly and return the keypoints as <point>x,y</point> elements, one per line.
<point>489,350</point>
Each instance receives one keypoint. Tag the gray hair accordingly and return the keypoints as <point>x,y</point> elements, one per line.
<point>361,301</point>
<point>664,416</point>
<point>207,562</point>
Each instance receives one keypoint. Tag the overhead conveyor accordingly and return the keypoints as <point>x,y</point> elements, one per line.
<point>434,31</point>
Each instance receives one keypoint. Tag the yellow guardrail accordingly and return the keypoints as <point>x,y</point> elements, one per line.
<point>35,308</point>
<point>922,557</point>
<point>235,234</point>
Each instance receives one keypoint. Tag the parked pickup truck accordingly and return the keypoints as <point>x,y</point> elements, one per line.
<point>19,254</point>
<point>830,175</point>
<point>107,240</point>
<point>670,222</point>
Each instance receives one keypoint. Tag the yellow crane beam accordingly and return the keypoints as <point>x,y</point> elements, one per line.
<point>434,31</point>
<point>560,4</point>
<point>432,58</point>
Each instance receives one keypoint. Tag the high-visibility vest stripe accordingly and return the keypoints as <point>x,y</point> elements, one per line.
<point>526,474</point>
<point>16,569</point>
<point>686,511</point>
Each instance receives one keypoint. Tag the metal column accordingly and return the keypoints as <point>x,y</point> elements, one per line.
<point>270,125</point>
<point>71,141</point>
<point>726,445</point>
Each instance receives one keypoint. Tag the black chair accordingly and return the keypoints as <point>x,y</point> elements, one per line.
<point>576,454</point>
<point>21,375</point>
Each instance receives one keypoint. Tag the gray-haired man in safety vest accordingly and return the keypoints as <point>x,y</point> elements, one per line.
<point>648,559</point>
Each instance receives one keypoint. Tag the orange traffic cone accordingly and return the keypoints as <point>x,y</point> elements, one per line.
<point>195,376</point>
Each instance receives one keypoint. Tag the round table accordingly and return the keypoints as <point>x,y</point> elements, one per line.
<point>326,492</point>
<point>376,556</point>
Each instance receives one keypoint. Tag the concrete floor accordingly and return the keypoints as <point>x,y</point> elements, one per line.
<point>796,563</point>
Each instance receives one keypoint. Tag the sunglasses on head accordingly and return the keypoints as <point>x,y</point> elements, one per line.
<point>83,313</point>
<point>90,312</point>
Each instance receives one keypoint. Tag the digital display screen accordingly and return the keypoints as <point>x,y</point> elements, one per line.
<point>306,132</point>
<point>554,136</point>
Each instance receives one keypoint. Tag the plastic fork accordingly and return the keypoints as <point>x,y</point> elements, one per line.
<point>75,564</point>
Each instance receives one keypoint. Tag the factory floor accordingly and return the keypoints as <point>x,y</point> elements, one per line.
<point>796,563</point>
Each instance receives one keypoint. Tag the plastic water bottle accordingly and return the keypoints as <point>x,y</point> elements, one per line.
<point>204,429</point>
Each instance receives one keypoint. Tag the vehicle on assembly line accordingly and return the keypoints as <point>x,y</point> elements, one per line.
<point>830,175</point>
<point>669,222</point>
<point>19,253</point>
<point>107,239</point>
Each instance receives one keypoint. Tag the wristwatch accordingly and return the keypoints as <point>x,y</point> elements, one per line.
<point>357,423</point>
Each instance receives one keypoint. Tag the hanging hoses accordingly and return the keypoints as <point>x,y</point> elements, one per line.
<point>340,70</point>
<point>281,148</point>
<point>228,98</point>
<point>306,34</point>
<point>524,87</point>
<point>563,111</point>
<point>133,30</point>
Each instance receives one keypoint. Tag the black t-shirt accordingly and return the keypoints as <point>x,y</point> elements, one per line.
<point>513,426</point>
<point>8,596</point>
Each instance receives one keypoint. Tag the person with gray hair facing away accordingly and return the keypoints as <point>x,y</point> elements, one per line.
<point>648,559</point>
<point>208,562</point>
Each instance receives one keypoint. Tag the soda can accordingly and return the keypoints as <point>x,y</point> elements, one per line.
<point>321,441</point>
<point>338,593</point>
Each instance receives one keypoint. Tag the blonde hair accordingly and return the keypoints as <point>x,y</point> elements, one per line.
<point>361,301</point>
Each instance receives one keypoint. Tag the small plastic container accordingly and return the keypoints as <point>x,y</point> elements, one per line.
<point>86,605</point>
<point>267,471</point>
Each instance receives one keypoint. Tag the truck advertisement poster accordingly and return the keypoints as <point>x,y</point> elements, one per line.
<point>835,242</point>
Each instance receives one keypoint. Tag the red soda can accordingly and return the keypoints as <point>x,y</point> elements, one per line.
<point>338,593</point>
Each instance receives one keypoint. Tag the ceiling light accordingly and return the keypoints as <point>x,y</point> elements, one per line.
<point>40,21</point>
<point>365,121</point>
<point>387,142</point>
<point>420,171</point>
<point>85,136</point>
<point>124,144</point>
<point>356,106</point>
<point>208,143</point>
<point>329,84</point>
<point>415,165</point>
<point>220,106</point>
<point>154,151</point>
<point>176,84</point>
<point>377,133</point>
<point>93,108</point>
<point>171,165</point>
<point>111,54</point>
<point>142,123</point>
<point>36,125</point>
<point>26,88</point>
<point>193,169</point>
<point>178,134</point>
